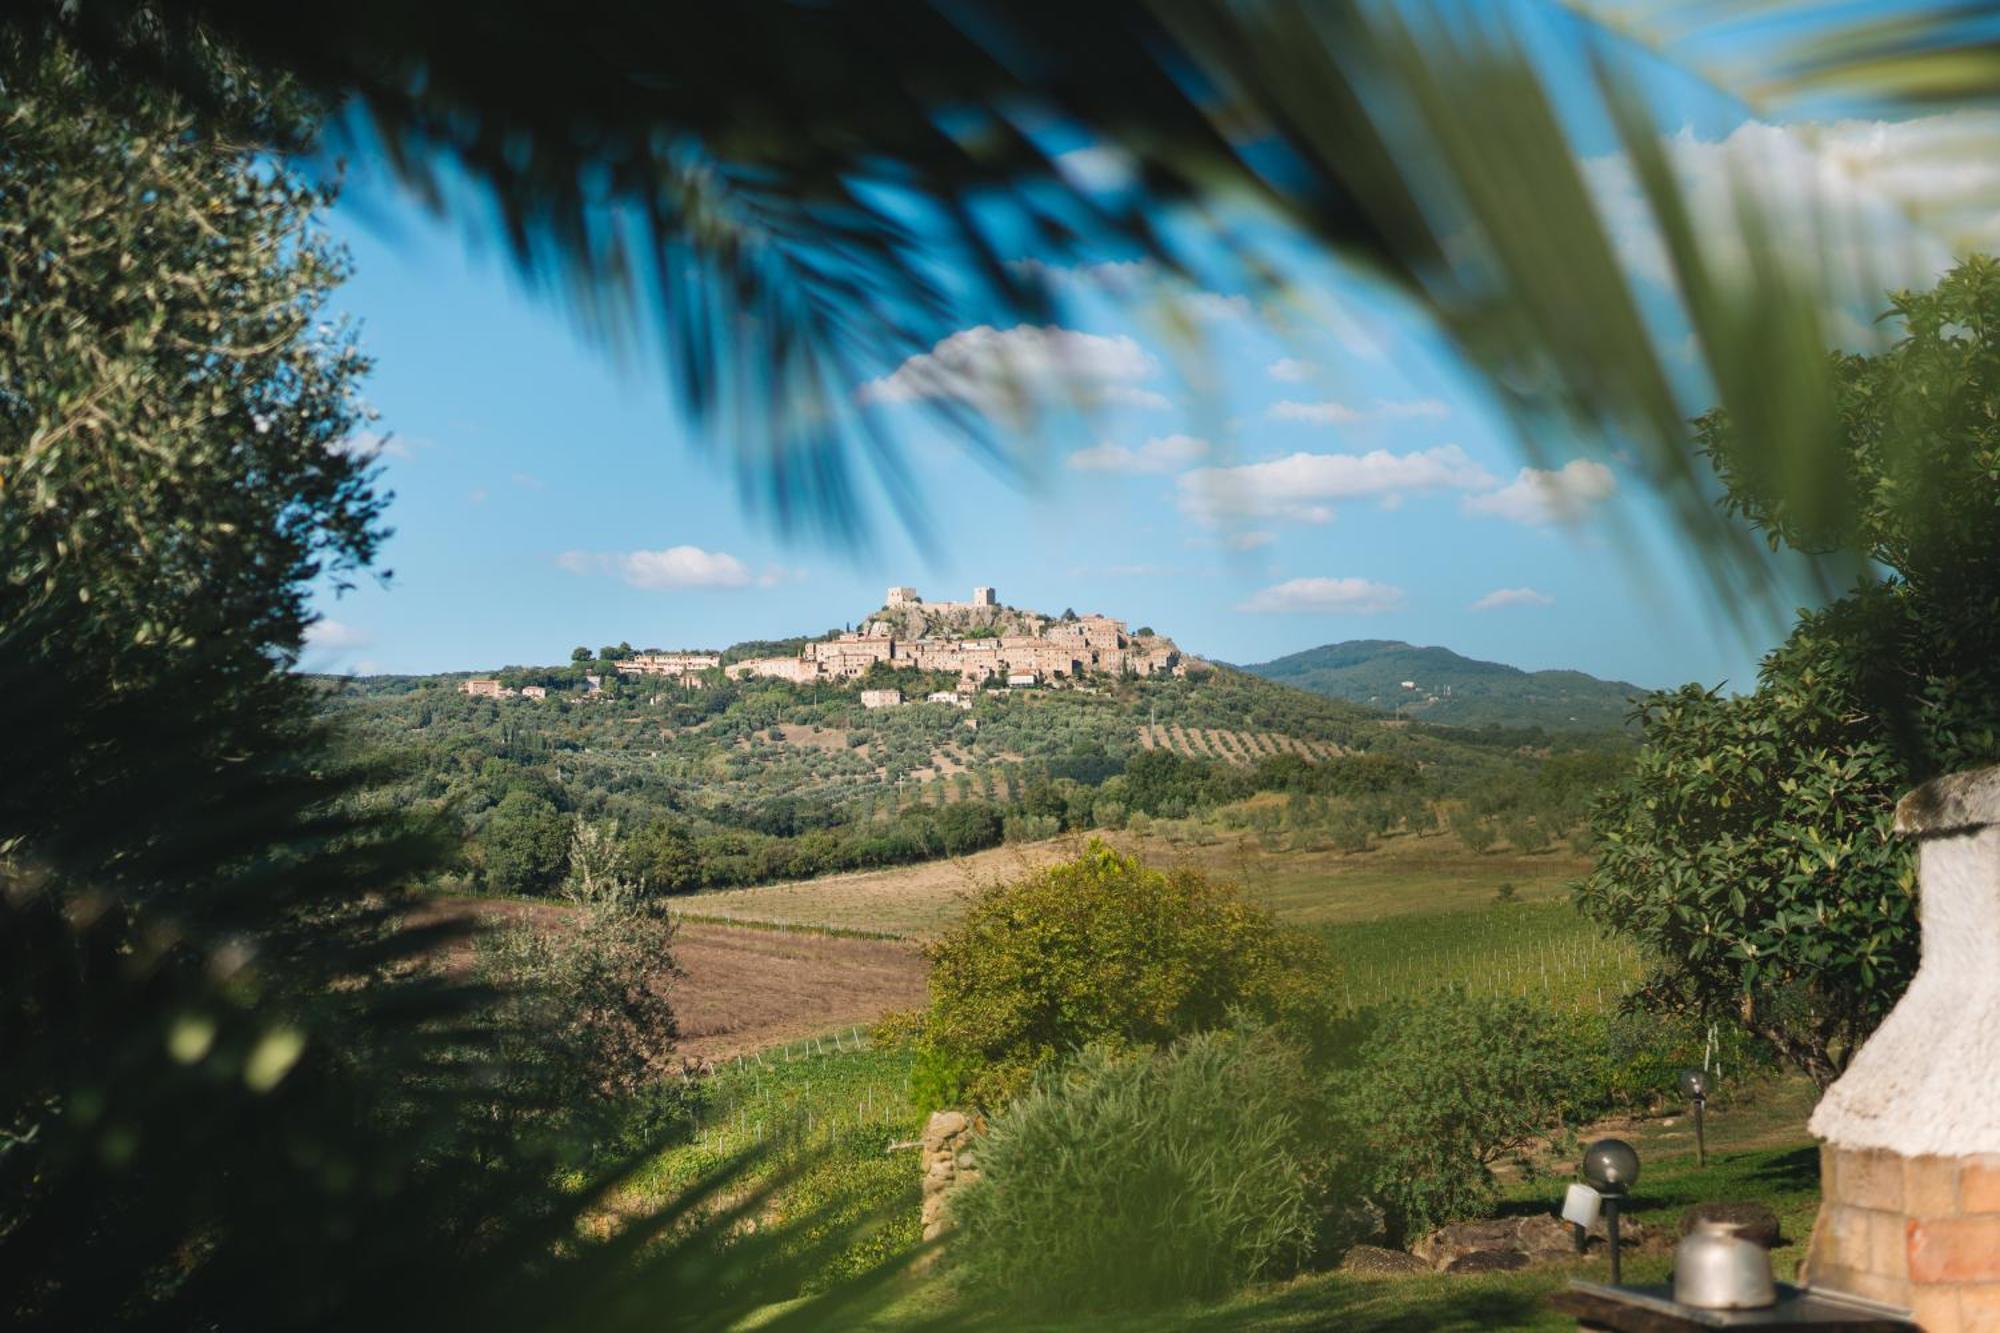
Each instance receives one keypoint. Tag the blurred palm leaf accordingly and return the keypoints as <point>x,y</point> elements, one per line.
<point>784,199</point>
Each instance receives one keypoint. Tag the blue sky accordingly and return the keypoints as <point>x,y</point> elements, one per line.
<point>1342,480</point>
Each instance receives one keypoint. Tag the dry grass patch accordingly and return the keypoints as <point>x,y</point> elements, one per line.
<point>1399,876</point>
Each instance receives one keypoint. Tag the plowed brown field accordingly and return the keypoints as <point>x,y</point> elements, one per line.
<point>745,989</point>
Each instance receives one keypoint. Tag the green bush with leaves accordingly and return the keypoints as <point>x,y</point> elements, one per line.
<point>1104,949</point>
<point>1477,833</point>
<point>1126,1180</point>
<point>1443,1088</point>
<point>1752,857</point>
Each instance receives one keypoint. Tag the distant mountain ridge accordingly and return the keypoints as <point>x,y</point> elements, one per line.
<point>1452,689</point>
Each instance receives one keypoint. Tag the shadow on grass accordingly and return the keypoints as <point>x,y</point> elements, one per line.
<point>1797,1170</point>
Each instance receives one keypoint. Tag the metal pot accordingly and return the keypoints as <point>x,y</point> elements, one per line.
<point>1717,1269</point>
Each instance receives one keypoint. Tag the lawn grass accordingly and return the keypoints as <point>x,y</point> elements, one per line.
<point>786,1102</point>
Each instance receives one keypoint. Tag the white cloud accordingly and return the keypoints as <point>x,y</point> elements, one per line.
<point>335,636</point>
<point>1325,596</point>
<point>528,481</point>
<point>1290,370</point>
<point>1300,487</point>
<point>368,445</point>
<point>1162,453</point>
<point>1249,541</point>
<point>478,495</point>
<point>1014,371</point>
<point>1140,282</point>
<point>1505,597</point>
<point>674,567</point>
<point>1336,414</point>
<point>1839,192</point>
<point>1541,495</point>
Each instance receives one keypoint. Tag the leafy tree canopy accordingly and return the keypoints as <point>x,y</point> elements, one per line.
<point>1751,852</point>
<point>1104,949</point>
<point>180,431</point>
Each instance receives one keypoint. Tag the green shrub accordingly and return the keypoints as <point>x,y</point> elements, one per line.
<point>1031,828</point>
<point>1349,830</point>
<point>1104,949</point>
<point>1446,1086</point>
<point>1124,1181</point>
<point>592,993</point>
<point>524,845</point>
<point>1478,834</point>
<point>1525,834</point>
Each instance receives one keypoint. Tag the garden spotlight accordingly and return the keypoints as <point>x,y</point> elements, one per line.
<point>1694,1082</point>
<point>1612,1168</point>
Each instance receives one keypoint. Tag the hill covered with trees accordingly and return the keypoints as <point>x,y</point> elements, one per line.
<point>739,782</point>
<point>1454,690</point>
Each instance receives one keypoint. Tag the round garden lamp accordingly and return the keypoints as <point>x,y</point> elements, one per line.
<point>1694,1084</point>
<point>1612,1168</point>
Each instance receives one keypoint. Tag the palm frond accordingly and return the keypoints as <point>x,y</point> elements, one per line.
<point>783,199</point>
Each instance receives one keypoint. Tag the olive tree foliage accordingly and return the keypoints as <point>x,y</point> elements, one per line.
<point>179,419</point>
<point>591,982</point>
<point>225,1056</point>
<point>1751,851</point>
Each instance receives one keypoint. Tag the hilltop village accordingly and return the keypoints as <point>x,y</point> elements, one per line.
<point>981,642</point>
<point>977,641</point>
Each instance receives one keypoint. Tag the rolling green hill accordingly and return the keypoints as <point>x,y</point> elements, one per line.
<point>740,782</point>
<point>1452,690</point>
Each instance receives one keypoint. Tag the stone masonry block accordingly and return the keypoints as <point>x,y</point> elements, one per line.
<point>1868,1286</point>
<point>1978,1308</point>
<point>1979,1185</point>
<point>1961,1249</point>
<point>1871,1178</point>
<point>1930,1186</point>
<point>1888,1245</point>
<point>943,1123</point>
<point>1843,1241</point>
<point>1935,1309</point>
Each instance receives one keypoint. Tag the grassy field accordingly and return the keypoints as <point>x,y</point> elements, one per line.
<point>1409,915</point>
<point>1400,876</point>
<point>799,1096</point>
<point>1542,950</point>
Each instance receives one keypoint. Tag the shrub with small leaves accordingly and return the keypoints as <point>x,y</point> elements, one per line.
<point>1126,1180</point>
<point>1443,1088</point>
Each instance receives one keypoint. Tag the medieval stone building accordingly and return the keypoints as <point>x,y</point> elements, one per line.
<point>965,639</point>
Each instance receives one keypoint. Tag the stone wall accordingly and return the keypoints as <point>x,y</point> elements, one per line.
<point>948,1163</point>
<point>1919,1232</point>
